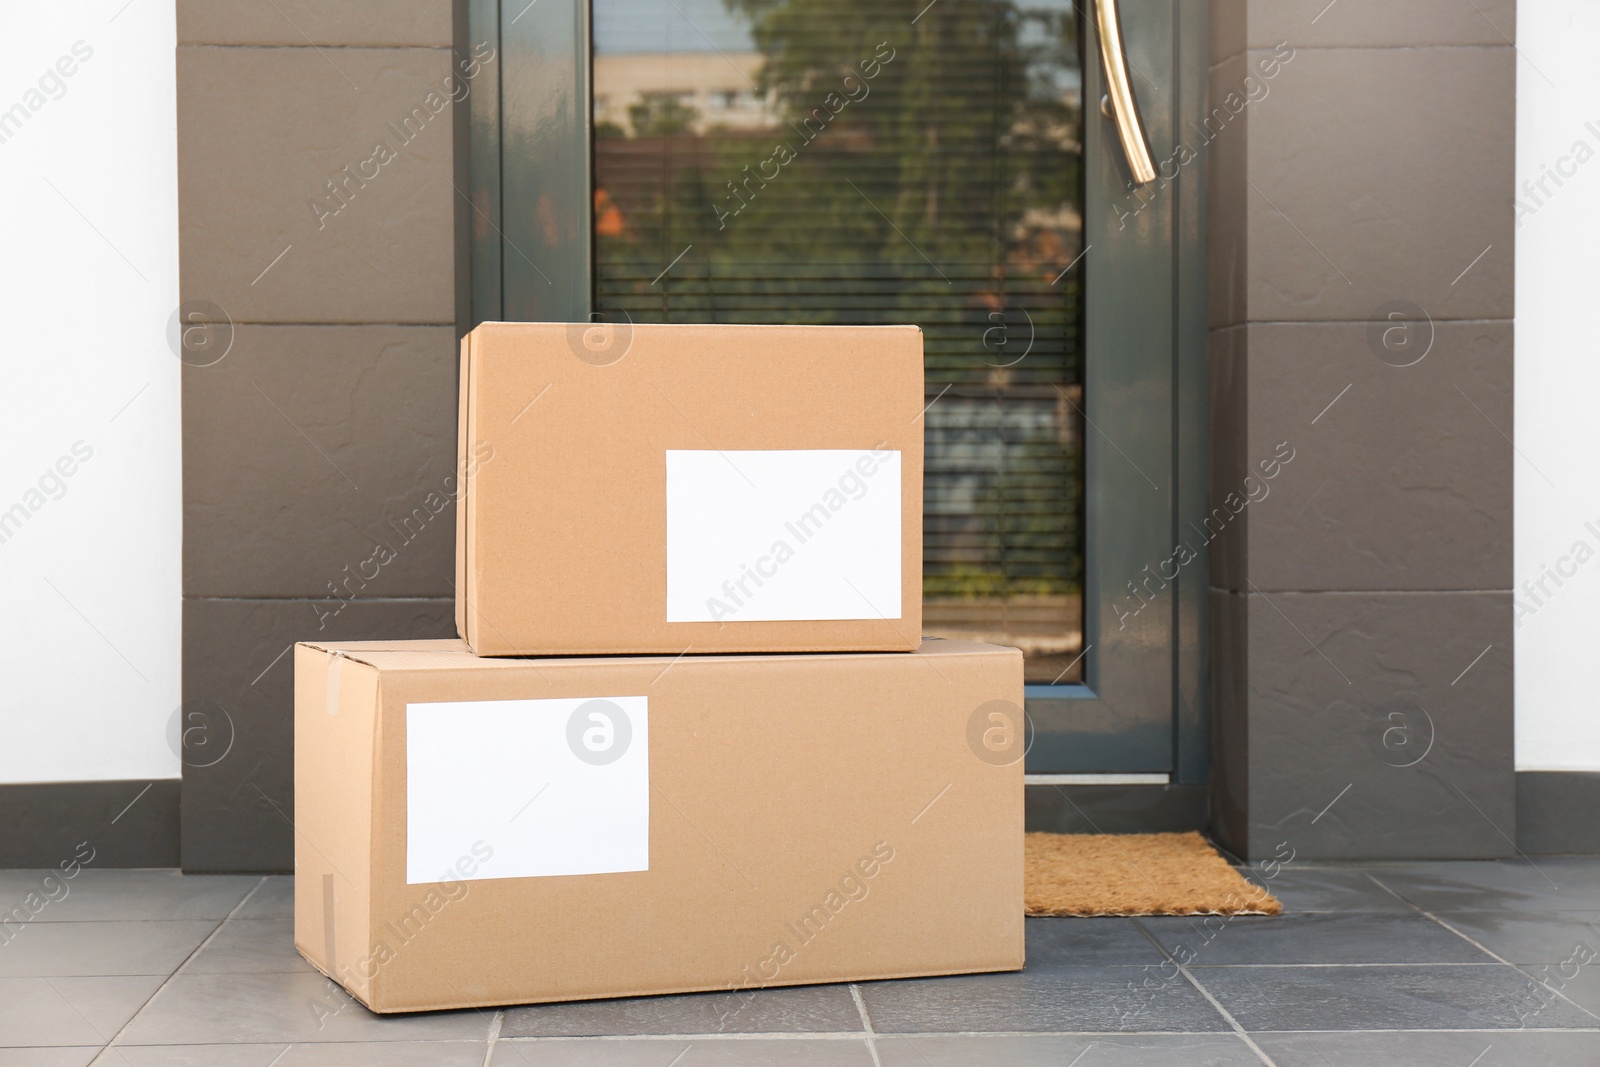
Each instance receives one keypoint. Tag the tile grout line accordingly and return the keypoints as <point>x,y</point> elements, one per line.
<point>1337,966</point>
<point>1353,864</point>
<point>714,1037</point>
<point>866,1021</point>
<point>1216,1004</point>
<point>1481,947</point>
<point>310,45</point>
<point>1227,1016</point>
<point>294,597</point>
<point>494,1035</point>
<point>111,1046</point>
<point>1470,320</point>
<point>1212,65</point>
<point>491,1036</point>
<point>735,1037</point>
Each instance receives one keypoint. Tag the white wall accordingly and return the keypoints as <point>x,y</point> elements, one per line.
<point>1558,386</point>
<point>89,570</point>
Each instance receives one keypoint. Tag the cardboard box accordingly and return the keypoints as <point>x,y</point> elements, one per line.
<point>660,488</point>
<point>473,832</point>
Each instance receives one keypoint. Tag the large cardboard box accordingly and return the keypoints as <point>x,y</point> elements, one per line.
<point>499,831</point>
<point>661,488</point>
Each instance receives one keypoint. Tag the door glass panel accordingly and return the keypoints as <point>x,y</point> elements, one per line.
<point>877,161</point>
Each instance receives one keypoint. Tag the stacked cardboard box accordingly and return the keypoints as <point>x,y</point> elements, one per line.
<point>690,739</point>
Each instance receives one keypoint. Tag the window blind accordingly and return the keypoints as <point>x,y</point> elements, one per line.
<point>814,161</point>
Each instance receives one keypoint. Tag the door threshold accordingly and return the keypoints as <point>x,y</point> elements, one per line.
<point>1096,779</point>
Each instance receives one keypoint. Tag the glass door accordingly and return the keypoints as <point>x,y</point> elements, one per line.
<point>900,161</point>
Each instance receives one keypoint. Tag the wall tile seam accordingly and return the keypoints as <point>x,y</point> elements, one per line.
<point>306,599</point>
<point>7,786</point>
<point>1436,319</point>
<point>321,47</point>
<point>1258,592</point>
<point>1587,772</point>
<point>358,324</point>
<point>1267,49</point>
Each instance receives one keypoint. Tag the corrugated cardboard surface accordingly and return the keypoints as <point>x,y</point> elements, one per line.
<point>562,545</point>
<point>772,778</point>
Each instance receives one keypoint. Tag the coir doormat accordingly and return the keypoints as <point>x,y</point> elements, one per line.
<point>1135,874</point>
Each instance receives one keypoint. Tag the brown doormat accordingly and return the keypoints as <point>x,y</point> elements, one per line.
<point>1135,874</point>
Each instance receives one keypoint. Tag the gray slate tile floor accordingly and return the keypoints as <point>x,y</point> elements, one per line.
<point>1447,964</point>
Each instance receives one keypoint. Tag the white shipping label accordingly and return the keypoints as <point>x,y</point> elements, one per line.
<point>527,788</point>
<point>762,536</point>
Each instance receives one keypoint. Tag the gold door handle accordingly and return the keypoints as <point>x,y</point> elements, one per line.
<point>1119,104</point>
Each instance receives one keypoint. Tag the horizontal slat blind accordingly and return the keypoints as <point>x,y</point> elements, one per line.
<point>864,163</point>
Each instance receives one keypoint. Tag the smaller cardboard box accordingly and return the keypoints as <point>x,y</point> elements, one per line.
<point>665,488</point>
<point>474,832</point>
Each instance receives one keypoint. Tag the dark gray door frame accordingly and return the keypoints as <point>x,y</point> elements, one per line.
<point>531,254</point>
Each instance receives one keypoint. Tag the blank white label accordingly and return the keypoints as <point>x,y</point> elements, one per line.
<point>527,788</point>
<point>762,536</point>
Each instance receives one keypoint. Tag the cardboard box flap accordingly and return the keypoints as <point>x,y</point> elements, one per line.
<point>453,654</point>
<point>385,656</point>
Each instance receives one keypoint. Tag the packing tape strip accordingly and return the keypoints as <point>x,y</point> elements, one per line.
<point>332,704</point>
<point>328,940</point>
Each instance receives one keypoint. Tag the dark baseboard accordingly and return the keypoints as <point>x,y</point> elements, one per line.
<point>127,823</point>
<point>135,823</point>
<point>1116,809</point>
<point>1558,812</point>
